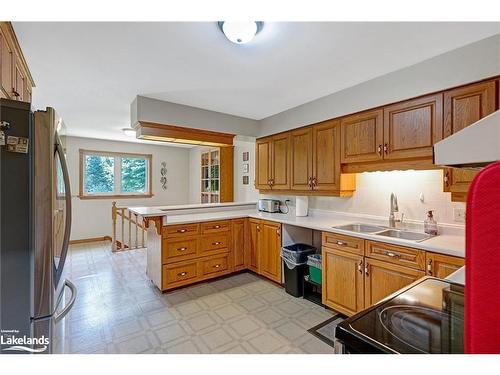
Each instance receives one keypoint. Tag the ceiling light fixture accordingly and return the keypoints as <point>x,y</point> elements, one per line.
<point>240,32</point>
<point>129,132</point>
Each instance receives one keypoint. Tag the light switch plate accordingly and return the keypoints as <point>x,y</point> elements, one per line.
<point>459,215</point>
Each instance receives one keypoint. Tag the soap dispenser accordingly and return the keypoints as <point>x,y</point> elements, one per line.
<point>430,224</point>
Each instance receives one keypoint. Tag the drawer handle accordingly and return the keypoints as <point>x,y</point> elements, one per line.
<point>217,266</point>
<point>341,243</point>
<point>393,254</point>
<point>182,249</point>
<point>360,267</point>
<point>216,227</point>
<point>182,273</point>
<point>366,269</point>
<point>216,243</point>
<point>181,230</point>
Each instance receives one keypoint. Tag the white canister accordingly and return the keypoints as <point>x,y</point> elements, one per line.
<point>301,205</point>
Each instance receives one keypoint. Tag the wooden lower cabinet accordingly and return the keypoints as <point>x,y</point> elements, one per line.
<point>359,273</point>
<point>195,252</point>
<point>383,279</point>
<point>270,250</point>
<point>441,266</point>
<point>343,285</point>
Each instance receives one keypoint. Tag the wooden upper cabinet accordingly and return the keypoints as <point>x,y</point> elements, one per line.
<point>441,266</point>
<point>6,64</point>
<point>301,159</point>
<point>462,107</point>
<point>383,279</point>
<point>270,250</point>
<point>343,288</point>
<point>412,127</point>
<point>362,137</point>
<point>465,105</point>
<point>263,163</point>
<point>326,156</point>
<point>280,161</point>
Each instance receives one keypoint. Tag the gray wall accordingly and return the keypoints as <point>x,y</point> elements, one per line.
<point>467,64</point>
<point>153,110</point>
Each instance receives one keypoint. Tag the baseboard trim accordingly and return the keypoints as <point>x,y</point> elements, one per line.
<point>90,240</point>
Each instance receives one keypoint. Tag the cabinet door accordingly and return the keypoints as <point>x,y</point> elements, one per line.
<point>301,159</point>
<point>326,156</point>
<point>383,279</point>
<point>280,149</point>
<point>269,251</point>
<point>342,281</point>
<point>253,245</point>
<point>441,266</point>
<point>362,137</point>
<point>19,81</point>
<point>238,246</point>
<point>412,127</point>
<point>6,64</point>
<point>263,163</point>
<point>462,107</point>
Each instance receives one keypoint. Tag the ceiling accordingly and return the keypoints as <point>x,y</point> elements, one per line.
<point>91,72</point>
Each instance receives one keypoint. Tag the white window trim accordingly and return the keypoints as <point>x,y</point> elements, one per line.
<point>117,193</point>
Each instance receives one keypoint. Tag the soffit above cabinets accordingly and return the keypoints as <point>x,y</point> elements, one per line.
<point>176,134</point>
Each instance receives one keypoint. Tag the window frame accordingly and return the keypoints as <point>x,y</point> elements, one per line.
<point>117,156</point>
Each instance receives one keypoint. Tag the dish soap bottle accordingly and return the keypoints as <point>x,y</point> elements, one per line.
<point>430,225</point>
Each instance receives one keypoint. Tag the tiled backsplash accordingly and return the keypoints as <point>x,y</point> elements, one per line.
<point>374,189</point>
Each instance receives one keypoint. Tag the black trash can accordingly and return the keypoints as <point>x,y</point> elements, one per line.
<point>295,266</point>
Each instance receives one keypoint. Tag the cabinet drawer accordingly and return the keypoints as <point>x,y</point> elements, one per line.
<point>403,256</point>
<point>215,265</point>
<point>214,242</point>
<point>181,230</point>
<point>345,243</point>
<point>175,250</point>
<point>175,275</point>
<point>215,227</point>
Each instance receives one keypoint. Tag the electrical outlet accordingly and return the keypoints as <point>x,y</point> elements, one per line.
<point>459,215</point>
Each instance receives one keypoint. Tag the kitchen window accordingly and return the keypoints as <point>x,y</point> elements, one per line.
<point>114,175</point>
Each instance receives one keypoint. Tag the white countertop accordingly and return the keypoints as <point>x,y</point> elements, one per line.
<point>458,276</point>
<point>167,210</point>
<point>450,244</point>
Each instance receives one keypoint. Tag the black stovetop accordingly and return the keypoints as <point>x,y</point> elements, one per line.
<point>427,317</point>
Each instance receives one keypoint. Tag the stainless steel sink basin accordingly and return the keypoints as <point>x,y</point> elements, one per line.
<point>404,235</point>
<point>360,228</point>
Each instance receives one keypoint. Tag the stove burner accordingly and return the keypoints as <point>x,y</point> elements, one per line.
<point>416,326</point>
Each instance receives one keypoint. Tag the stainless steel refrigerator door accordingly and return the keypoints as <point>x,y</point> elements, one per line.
<point>52,212</point>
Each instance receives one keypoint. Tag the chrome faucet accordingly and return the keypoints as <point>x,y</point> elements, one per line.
<point>394,208</point>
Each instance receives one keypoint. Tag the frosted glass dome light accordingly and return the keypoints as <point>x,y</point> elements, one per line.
<point>240,32</point>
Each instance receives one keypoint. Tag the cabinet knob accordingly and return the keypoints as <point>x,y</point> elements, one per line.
<point>182,249</point>
<point>216,243</point>
<point>429,267</point>
<point>182,273</point>
<point>309,182</point>
<point>314,182</point>
<point>366,269</point>
<point>379,150</point>
<point>217,266</point>
<point>216,227</point>
<point>181,230</point>
<point>360,267</point>
<point>341,243</point>
<point>278,232</point>
<point>386,148</point>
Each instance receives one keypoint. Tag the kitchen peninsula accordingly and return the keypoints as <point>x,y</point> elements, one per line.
<point>192,243</point>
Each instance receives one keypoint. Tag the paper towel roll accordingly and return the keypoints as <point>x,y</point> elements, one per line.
<point>301,205</point>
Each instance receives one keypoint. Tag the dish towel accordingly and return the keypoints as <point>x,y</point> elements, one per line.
<point>482,259</point>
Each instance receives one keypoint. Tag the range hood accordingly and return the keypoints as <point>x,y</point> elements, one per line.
<point>475,146</point>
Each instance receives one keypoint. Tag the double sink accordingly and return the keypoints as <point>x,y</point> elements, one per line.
<point>385,232</point>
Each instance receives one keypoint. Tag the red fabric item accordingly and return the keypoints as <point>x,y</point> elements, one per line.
<point>482,260</point>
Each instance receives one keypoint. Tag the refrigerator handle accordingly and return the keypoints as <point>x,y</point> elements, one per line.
<point>67,227</point>
<point>65,310</point>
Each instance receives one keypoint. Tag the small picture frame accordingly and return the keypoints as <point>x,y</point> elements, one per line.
<point>245,168</point>
<point>245,156</point>
<point>245,180</point>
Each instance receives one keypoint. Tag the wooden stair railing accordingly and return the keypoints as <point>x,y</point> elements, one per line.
<point>132,233</point>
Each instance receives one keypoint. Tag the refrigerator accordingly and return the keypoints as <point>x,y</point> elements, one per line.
<point>35,226</point>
